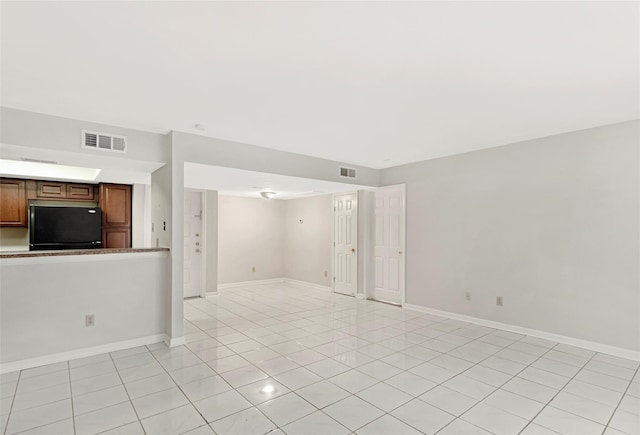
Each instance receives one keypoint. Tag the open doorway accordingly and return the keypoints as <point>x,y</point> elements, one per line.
<point>306,210</point>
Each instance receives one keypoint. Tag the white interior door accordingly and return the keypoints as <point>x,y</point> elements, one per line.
<point>345,239</point>
<point>192,244</point>
<point>389,245</point>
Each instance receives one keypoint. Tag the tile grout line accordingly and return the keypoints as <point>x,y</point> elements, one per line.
<point>606,426</point>
<point>13,399</point>
<point>73,414</point>
<point>452,331</point>
<point>328,321</point>
<point>233,388</point>
<point>560,390</point>
<point>256,406</point>
<point>124,386</point>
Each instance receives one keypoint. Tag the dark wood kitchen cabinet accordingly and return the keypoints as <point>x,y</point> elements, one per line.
<point>115,203</point>
<point>65,191</point>
<point>51,189</point>
<point>13,203</point>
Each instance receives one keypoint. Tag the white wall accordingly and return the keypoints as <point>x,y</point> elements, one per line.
<point>37,130</point>
<point>141,216</point>
<point>210,209</point>
<point>552,225</point>
<point>45,132</point>
<point>162,204</point>
<point>211,151</point>
<point>45,300</point>
<point>269,235</point>
<point>308,248</point>
<point>250,234</point>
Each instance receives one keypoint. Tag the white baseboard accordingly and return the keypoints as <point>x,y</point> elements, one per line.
<point>248,283</point>
<point>310,285</point>
<point>173,342</point>
<point>286,281</point>
<point>585,344</point>
<point>80,353</point>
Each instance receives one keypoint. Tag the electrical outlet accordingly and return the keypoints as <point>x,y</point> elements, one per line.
<point>253,269</point>
<point>90,320</point>
<point>499,301</point>
<point>467,296</point>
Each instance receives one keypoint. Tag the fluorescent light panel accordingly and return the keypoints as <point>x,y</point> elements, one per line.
<point>47,170</point>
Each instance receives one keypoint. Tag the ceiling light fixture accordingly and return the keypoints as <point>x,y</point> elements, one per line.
<point>267,195</point>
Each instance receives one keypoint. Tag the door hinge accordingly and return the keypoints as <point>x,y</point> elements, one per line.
<point>334,278</point>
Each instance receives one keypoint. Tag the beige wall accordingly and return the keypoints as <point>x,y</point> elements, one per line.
<point>552,225</point>
<point>250,234</point>
<point>269,236</point>
<point>308,245</point>
<point>14,239</point>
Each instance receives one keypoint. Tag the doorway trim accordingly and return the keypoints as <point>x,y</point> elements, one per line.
<point>202,291</point>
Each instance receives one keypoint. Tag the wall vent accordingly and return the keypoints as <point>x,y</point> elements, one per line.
<point>103,141</point>
<point>347,172</point>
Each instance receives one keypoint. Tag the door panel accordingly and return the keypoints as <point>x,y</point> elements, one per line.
<point>389,245</point>
<point>345,238</point>
<point>13,203</point>
<point>84,192</point>
<point>115,202</point>
<point>116,237</point>
<point>51,189</point>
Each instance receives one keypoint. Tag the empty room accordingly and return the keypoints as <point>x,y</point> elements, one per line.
<point>320,217</point>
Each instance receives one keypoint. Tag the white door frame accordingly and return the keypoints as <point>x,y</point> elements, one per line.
<point>370,228</point>
<point>333,238</point>
<point>203,244</point>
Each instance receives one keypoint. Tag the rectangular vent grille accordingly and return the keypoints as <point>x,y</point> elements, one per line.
<point>103,141</point>
<point>347,172</point>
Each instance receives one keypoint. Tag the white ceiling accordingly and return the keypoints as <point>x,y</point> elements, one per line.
<point>370,83</point>
<point>249,184</point>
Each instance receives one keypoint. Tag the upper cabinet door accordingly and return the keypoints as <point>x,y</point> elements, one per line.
<point>13,203</point>
<point>51,189</point>
<point>80,191</point>
<point>115,202</point>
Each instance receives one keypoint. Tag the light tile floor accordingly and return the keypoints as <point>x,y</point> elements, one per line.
<point>276,359</point>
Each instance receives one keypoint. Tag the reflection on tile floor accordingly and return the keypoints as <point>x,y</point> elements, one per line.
<point>286,360</point>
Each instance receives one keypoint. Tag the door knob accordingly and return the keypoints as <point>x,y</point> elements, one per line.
<point>400,252</point>
<point>353,249</point>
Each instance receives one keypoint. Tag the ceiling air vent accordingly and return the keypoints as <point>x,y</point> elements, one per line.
<point>347,172</point>
<point>104,141</point>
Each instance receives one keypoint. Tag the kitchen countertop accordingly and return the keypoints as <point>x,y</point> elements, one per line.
<point>25,254</point>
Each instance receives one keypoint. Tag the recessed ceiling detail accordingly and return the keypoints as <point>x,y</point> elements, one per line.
<point>251,184</point>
